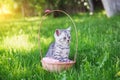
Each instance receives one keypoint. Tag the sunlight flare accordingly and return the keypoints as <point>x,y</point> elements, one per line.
<point>4,10</point>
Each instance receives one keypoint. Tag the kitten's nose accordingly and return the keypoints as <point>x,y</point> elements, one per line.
<point>68,40</point>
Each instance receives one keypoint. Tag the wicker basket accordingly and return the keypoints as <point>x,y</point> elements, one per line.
<point>57,66</point>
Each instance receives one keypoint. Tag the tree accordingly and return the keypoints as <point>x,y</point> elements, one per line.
<point>111,6</point>
<point>30,7</point>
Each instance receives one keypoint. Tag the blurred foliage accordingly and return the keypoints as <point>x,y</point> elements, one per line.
<point>36,7</point>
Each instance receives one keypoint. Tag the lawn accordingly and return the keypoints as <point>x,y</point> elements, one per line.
<point>98,55</point>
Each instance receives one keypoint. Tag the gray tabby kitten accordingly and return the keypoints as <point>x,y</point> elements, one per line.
<point>60,48</point>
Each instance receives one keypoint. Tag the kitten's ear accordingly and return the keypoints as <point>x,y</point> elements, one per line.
<point>69,28</point>
<point>57,32</point>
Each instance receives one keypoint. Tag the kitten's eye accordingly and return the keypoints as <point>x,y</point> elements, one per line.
<point>69,37</point>
<point>64,38</point>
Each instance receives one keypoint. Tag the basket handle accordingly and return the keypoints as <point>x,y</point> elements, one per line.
<point>48,12</point>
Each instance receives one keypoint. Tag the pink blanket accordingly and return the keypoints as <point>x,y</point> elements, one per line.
<point>51,60</point>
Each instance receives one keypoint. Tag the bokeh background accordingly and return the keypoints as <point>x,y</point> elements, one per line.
<point>98,29</point>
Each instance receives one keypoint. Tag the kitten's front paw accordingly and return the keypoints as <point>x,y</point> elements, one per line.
<point>64,60</point>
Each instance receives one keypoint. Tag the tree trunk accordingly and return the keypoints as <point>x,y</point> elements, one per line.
<point>111,7</point>
<point>91,5</point>
<point>23,12</point>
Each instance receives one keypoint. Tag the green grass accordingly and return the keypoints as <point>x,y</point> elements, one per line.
<point>98,48</point>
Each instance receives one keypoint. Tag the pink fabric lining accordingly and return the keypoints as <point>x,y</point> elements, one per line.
<point>51,60</point>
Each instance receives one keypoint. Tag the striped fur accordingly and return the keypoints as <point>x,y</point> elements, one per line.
<point>60,48</point>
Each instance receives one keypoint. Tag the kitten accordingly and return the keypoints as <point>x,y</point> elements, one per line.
<point>60,48</point>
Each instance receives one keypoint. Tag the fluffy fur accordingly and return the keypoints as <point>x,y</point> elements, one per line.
<point>60,48</point>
